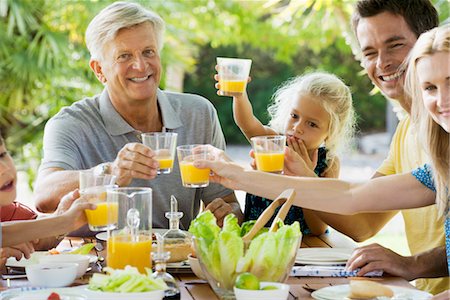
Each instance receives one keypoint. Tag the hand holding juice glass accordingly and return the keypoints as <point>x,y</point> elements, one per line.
<point>163,145</point>
<point>191,176</point>
<point>93,189</point>
<point>233,74</point>
<point>269,152</point>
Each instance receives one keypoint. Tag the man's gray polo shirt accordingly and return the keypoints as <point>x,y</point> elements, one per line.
<point>91,131</point>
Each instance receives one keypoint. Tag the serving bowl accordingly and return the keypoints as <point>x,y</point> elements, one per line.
<point>280,293</point>
<point>52,274</point>
<point>221,276</point>
<point>195,267</point>
<point>81,260</point>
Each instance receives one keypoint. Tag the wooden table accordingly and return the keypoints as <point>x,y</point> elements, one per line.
<point>193,288</point>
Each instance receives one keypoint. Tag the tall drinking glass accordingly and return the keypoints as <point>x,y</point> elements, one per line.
<point>93,188</point>
<point>269,152</point>
<point>191,176</point>
<point>130,243</point>
<point>164,145</point>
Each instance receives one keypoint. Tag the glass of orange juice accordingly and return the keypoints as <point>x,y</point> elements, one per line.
<point>163,144</point>
<point>233,74</point>
<point>130,243</point>
<point>93,188</point>
<point>105,215</point>
<point>191,176</point>
<point>269,152</point>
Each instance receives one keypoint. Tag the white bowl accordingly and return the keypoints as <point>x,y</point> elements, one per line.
<point>98,295</point>
<point>52,274</point>
<point>281,293</point>
<point>81,260</point>
<point>195,267</point>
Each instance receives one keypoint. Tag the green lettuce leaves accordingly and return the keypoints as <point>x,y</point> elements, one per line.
<point>223,253</point>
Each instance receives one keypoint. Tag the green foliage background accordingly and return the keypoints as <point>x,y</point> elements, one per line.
<point>44,62</point>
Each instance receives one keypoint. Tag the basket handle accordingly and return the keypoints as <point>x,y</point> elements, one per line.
<point>285,198</point>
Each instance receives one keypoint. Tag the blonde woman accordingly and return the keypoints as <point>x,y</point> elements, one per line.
<point>428,78</point>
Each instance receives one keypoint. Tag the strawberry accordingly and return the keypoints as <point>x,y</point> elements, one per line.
<point>54,296</point>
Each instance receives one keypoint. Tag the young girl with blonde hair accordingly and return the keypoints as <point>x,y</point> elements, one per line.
<point>316,114</point>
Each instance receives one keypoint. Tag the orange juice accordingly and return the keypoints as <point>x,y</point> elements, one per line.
<point>270,162</point>
<point>192,176</point>
<point>165,162</point>
<point>98,218</point>
<point>234,86</point>
<point>123,251</point>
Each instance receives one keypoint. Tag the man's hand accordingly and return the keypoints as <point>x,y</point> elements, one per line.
<point>134,160</point>
<point>220,209</point>
<point>17,251</point>
<point>376,257</point>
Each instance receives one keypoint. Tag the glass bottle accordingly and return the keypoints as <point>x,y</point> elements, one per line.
<point>176,241</point>
<point>160,258</point>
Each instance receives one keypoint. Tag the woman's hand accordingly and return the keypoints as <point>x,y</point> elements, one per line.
<point>225,171</point>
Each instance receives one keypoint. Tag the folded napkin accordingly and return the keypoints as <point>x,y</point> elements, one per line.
<point>329,271</point>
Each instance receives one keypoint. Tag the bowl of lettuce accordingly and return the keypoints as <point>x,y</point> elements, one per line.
<point>125,284</point>
<point>223,255</point>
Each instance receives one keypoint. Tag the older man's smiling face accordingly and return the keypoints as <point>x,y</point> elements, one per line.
<point>131,64</point>
<point>385,41</point>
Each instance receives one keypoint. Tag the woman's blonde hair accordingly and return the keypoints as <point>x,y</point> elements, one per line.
<point>436,139</point>
<point>334,96</point>
<point>119,15</point>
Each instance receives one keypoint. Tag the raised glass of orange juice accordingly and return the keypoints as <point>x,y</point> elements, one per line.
<point>130,243</point>
<point>105,215</point>
<point>93,188</point>
<point>191,176</point>
<point>233,74</point>
<point>163,145</point>
<point>269,152</point>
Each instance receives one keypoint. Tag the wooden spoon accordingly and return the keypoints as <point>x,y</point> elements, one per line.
<point>286,198</point>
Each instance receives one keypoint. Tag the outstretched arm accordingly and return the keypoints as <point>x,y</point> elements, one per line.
<point>330,195</point>
<point>23,231</point>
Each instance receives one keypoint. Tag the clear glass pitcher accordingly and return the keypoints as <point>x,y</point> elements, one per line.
<point>130,242</point>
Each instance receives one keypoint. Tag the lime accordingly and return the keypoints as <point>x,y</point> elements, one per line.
<point>269,287</point>
<point>247,281</point>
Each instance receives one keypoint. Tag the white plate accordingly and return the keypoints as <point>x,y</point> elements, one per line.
<point>34,259</point>
<point>79,293</point>
<point>340,292</point>
<point>323,256</point>
<point>103,236</point>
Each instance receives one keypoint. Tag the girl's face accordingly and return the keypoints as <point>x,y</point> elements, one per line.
<point>308,121</point>
<point>8,178</point>
<point>433,73</point>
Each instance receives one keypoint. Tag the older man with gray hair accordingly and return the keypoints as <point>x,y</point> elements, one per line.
<point>104,131</point>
